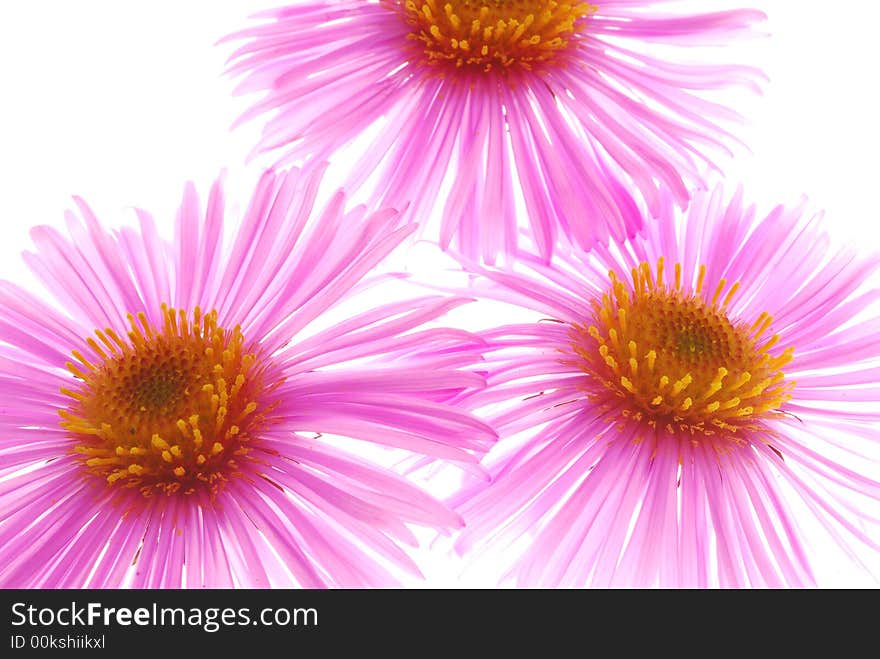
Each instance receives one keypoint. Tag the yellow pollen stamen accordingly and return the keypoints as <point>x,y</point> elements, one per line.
<point>651,358</point>
<point>147,408</point>
<point>682,384</point>
<point>159,443</point>
<point>731,293</point>
<point>494,35</point>
<point>718,291</point>
<point>673,359</point>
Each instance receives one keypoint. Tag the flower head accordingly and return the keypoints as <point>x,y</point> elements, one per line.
<point>689,390</point>
<point>562,101</point>
<point>162,422</point>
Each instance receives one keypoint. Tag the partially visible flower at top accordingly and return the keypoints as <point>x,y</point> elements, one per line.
<point>160,424</point>
<point>696,398</point>
<point>563,102</point>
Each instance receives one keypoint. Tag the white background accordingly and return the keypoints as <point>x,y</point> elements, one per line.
<point>121,101</point>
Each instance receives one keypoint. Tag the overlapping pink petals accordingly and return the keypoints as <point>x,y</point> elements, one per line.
<point>583,141</point>
<point>604,505</point>
<point>306,513</point>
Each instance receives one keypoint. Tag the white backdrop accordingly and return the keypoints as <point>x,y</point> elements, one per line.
<point>122,101</point>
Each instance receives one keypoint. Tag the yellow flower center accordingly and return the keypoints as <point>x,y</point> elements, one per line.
<point>677,361</point>
<point>495,35</point>
<point>167,410</point>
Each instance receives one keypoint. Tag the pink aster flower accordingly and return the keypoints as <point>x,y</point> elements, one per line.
<point>695,399</point>
<point>570,104</point>
<point>161,428</point>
